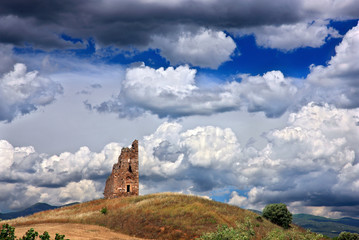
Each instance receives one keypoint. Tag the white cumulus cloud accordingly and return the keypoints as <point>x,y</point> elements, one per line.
<point>22,92</point>
<point>174,92</point>
<point>206,48</point>
<point>271,93</point>
<point>337,83</point>
<point>56,179</point>
<point>287,37</point>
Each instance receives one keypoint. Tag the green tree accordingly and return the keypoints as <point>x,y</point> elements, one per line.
<point>60,237</point>
<point>348,236</point>
<point>278,214</point>
<point>45,236</point>
<point>31,234</point>
<point>7,232</point>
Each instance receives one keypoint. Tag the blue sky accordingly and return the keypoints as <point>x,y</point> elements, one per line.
<point>254,103</point>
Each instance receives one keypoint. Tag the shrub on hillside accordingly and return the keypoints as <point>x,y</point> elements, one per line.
<point>243,231</point>
<point>278,214</point>
<point>348,236</point>
<point>104,210</point>
<point>281,234</point>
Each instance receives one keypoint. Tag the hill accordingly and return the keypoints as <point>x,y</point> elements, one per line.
<point>38,207</point>
<point>160,216</point>
<point>326,226</point>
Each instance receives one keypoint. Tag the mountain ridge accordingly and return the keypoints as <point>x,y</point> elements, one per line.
<point>35,208</point>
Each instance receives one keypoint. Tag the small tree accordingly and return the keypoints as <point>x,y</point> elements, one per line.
<point>7,232</point>
<point>31,234</point>
<point>60,237</point>
<point>278,214</point>
<point>45,236</point>
<point>104,210</point>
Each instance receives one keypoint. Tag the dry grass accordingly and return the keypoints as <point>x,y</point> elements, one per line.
<point>155,216</point>
<point>75,231</point>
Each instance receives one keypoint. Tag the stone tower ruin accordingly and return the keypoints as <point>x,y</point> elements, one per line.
<point>124,179</point>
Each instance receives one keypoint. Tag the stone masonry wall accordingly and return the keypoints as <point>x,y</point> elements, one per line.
<point>124,179</point>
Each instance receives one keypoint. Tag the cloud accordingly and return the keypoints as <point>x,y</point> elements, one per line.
<point>165,92</point>
<point>81,191</point>
<point>205,48</point>
<point>7,60</point>
<point>311,162</point>
<point>22,92</point>
<point>287,37</point>
<point>331,8</point>
<point>30,176</point>
<point>198,159</point>
<point>123,23</point>
<point>305,162</point>
<point>174,93</point>
<point>340,76</point>
<point>237,199</point>
<point>134,22</point>
<point>271,93</point>
<point>21,31</point>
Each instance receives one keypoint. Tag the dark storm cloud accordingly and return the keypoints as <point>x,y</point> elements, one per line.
<point>40,22</point>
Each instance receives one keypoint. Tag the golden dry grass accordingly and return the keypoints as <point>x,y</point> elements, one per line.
<point>155,216</point>
<point>75,231</point>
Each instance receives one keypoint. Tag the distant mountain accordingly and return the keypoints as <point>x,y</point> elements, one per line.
<point>38,207</point>
<point>326,226</point>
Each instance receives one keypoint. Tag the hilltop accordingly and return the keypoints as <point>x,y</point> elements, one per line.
<point>157,216</point>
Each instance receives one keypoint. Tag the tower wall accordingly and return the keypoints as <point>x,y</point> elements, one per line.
<point>124,179</point>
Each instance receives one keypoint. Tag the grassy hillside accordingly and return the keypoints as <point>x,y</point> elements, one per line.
<point>158,216</point>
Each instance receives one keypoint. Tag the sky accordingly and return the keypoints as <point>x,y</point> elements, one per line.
<point>247,102</point>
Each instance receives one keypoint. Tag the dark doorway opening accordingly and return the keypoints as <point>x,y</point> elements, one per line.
<point>128,188</point>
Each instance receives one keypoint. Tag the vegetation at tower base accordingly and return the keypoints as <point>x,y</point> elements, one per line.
<point>162,216</point>
<point>278,214</point>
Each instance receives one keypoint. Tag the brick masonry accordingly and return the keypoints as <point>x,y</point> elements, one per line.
<point>124,179</point>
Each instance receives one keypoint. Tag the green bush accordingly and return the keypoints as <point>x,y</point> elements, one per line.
<point>243,231</point>
<point>45,236</point>
<point>348,236</point>
<point>278,214</point>
<point>281,234</point>
<point>104,210</point>
<point>30,235</point>
<point>7,232</point>
<point>60,237</point>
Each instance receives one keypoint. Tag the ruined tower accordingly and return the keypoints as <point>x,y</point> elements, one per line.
<point>124,179</point>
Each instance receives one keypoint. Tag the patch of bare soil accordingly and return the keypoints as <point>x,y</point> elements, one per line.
<point>75,231</point>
